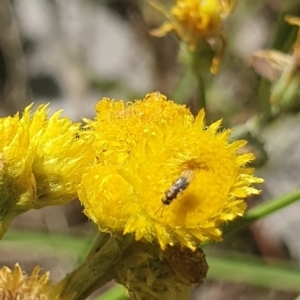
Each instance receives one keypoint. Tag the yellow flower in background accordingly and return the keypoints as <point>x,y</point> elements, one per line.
<point>177,180</point>
<point>14,285</point>
<point>41,161</point>
<point>196,20</point>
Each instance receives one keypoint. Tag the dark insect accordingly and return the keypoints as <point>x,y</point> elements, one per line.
<point>177,187</point>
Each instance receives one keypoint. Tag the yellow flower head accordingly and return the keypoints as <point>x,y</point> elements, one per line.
<point>41,162</point>
<point>196,20</point>
<point>176,179</point>
<point>14,285</point>
<point>17,182</point>
<point>62,153</point>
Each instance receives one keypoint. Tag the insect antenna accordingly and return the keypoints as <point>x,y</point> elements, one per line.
<point>161,208</point>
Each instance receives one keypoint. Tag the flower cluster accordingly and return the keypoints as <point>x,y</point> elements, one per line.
<point>145,149</point>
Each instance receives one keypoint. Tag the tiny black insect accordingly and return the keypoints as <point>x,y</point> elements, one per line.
<point>177,187</point>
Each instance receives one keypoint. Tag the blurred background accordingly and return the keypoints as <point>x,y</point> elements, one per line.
<point>73,53</point>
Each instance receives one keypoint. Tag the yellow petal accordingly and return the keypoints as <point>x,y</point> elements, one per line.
<point>177,181</point>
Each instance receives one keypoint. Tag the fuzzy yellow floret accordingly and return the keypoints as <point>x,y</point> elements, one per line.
<point>147,146</point>
<point>195,21</point>
<point>15,285</point>
<point>42,159</point>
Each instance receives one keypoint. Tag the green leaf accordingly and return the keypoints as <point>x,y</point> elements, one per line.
<point>253,271</point>
<point>42,242</point>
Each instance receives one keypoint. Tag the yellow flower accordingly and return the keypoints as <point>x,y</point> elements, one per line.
<point>14,285</point>
<point>165,154</point>
<point>196,20</point>
<point>17,182</point>
<point>41,162</point>
<point>62,153</point>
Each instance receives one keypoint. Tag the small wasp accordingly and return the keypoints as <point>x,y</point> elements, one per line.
<point>178,186</point>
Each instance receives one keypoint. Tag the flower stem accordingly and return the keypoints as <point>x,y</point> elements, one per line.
<point>200,65</point>
<point>183,86</point>
<point>263,210</point>
<point>201,89</point>
<point>258,212</point>
<point>96,270</point>
<point>199,62</point>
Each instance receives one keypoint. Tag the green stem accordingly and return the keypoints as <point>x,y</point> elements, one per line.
<point>263,96</point>
<point>263,210</point>
<point>258,212</point>
<point>199,62</point>
<point>183,87</point>
<point>201,89</point>
<point>96,270</point>
<point>200,65</point>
